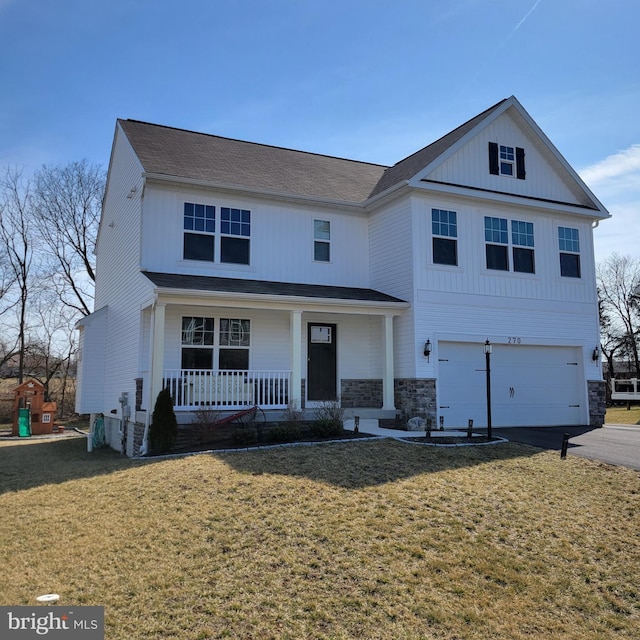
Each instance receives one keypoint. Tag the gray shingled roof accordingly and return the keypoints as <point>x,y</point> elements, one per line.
<point>199,156</point>
<point>262,287</point>
<point>213,159</point>
<point>410,166</point>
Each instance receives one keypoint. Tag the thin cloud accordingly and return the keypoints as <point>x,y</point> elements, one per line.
<point>619,165</point>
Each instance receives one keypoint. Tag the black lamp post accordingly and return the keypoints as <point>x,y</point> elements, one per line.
<point>487,355</point>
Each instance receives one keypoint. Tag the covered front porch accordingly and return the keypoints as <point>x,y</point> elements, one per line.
<point>279,344</point>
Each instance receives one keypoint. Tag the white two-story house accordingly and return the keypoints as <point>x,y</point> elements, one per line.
<point>242,274</point>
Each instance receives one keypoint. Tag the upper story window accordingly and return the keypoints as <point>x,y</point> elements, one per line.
<point>522,240</point>
<point>444,229</point>
<point>505,160</point>
<point>201,242</point>
<point>199,228</point>
<point>569,245</point>
<point>497,238</point>
<point>496,235</point>
<point>321,240</point>
<point>235,229</point>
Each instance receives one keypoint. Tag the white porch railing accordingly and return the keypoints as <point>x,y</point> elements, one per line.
<point>628,389</point>
<point>192,389</point>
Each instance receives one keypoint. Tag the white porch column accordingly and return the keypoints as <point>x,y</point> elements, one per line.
<point>388,402</point>
<point>295,393</point>
<point>157,353</point>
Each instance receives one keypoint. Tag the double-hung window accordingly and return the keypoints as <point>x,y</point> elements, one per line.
<point>235,339</point>
<point>444,231</point>
<point>203,348</point>
<point>235,230</point>
<point>496,235</point>
<point>522,240</point>
<point>199,225</point>
<point>569,245</point>
<point>197,343</point>
<point>322,240</point>
<point>204,241</point>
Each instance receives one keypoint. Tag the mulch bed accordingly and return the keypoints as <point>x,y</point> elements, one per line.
<point>226,438</point>
<point>452,440</point>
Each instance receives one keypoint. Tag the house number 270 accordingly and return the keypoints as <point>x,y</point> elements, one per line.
<point>512,340</point>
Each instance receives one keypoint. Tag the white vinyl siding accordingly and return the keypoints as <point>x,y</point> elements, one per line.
<point>470,166</point>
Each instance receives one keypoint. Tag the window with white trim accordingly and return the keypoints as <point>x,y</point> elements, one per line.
<point>198,336</point>
<point>199,225</point>
<point>444,232</point>
<point>203,348</point>
<point>235,230</point>
<point>235,339</point>
<point>496,235</point>
<point>569,245</point>
<point>506,160</point>
<point>201,242</point>
<point>322,240</point>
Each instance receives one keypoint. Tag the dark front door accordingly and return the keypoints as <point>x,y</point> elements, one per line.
<point>321,366</point>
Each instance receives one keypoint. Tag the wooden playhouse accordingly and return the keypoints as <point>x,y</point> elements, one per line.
<point>30,395</point>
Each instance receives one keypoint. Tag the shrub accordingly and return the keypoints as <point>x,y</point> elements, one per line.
<point>164,426</point>
<point>244,435</point>
<point>292,414</point>
<point>329,419</point>
<point>207,417</point>
<point>325,428</point>
<point>285,432</point>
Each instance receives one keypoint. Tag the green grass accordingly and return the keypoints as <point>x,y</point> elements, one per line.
<point>375,539</point>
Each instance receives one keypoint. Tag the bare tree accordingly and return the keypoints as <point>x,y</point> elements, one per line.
<point>619,299</point>
<point>66,205</point>
<point>16,240</point>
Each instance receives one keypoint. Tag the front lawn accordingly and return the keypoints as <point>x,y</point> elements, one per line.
<point>372,539</point>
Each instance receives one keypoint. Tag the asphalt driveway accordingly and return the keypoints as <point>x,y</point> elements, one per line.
<point>613,444</point>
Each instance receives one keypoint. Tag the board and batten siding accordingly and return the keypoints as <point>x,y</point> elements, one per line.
<point>281,242</point>
<point>119,283</point>
<point>392,257</point>
<point>470,166</point>
<point>471,276</point>
<point>358,337</point>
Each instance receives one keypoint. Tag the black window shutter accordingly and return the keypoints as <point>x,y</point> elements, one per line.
<point>493,158</point>
<point>520,172</point>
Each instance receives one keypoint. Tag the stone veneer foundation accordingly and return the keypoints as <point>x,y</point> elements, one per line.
<point>360,393</point>
<point>597,402</point>
<point>416,398</point>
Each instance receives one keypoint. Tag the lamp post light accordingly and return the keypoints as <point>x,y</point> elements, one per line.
<point>487,355</point>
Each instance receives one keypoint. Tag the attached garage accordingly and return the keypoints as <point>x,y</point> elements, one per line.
<point>530,385</point>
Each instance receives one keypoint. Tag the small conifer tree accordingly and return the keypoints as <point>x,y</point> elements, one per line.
<point>164,426</point>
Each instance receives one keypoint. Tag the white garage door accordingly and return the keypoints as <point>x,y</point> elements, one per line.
<point>530,385</point>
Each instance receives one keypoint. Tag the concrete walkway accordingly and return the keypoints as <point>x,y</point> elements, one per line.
<point>371,427</point>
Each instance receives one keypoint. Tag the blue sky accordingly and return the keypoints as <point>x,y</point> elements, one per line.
<point>366,79</point>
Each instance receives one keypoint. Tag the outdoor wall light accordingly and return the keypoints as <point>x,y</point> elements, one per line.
<point>596,354</point>
<point>427,349</point>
